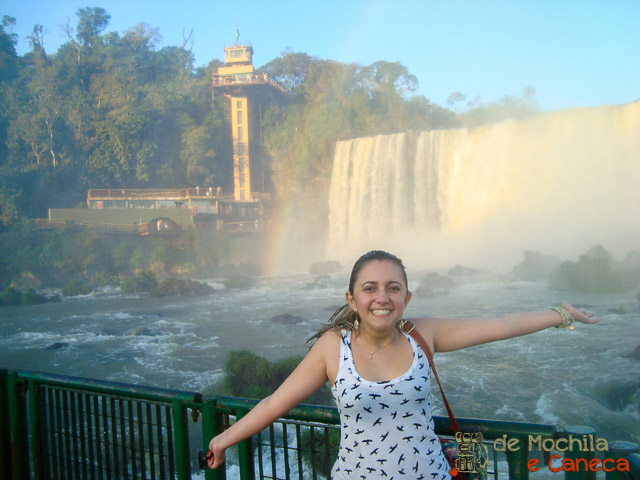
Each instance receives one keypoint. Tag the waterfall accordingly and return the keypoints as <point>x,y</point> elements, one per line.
<point>558,182</point>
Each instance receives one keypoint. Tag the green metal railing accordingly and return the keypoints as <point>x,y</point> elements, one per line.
<point>60,427</point>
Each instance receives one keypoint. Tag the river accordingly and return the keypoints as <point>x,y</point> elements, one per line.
<point>580,377</point>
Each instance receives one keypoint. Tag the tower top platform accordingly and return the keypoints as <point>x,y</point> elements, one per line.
<point>238,54</point>
<point>238,72</point>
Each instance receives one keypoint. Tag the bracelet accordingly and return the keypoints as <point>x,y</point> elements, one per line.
<point>566,315</point>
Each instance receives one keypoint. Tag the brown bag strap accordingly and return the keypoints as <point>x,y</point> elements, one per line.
<point>410,328</point>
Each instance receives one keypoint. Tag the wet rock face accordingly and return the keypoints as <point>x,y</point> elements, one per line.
<point>288,319</point>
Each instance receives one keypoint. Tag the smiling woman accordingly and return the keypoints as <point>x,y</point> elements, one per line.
<point>377,373</point>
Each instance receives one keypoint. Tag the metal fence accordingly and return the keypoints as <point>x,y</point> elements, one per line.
<point>60,427</point>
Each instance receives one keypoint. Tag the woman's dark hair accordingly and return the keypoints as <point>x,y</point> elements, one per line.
<point>345,317</point>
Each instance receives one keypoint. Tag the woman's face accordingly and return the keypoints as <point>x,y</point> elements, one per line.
<point>380,294</point>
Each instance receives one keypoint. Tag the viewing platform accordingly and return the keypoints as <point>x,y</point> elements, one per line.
<point>244,79</point>
<point>59,427</point>
<point>162,212</point>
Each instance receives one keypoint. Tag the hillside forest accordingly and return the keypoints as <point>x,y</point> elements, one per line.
<point>116,110</point>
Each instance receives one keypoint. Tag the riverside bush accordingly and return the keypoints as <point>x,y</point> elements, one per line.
<point>30,297</point>
<point>595,272</point>
<point>535,266</point>
<point>12,296</point>
<point>249,375</point>
<point>142,282</point>
<point>174,286</point>
<point>76,287</point>
<point>434,284</point>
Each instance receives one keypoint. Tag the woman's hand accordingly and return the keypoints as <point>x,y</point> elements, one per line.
<point>581,316</point>
<point>215,455</point>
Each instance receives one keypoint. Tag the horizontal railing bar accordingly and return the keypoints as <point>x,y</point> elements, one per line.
<point>302,412</point>
<point>142,392</point>
<point>493,429</point>
<point>490,429</point>
<point>634,465</point>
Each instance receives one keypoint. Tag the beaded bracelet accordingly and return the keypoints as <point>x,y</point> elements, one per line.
<point>567,317</point>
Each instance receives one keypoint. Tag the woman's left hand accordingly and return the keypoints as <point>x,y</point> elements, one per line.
<point>581,316</point>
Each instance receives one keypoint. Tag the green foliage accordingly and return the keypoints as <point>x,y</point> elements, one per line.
<point>508,107</point>
<point>249,375</point>
<point>595,272</point>
<point>174,286</point>
<point>56,256</point>
<point>12,296</point>
<point>76,287</point>
<point>535,266</point>
<point>142,282</point>
<point>30,297</point>
<point>105,110</point>
<point>434,284</point>
<point>334,101</point>
<point>314,443</point>
<point>139,258</point>
<point>121,255</point>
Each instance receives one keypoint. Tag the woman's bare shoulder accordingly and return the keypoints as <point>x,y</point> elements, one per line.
<point>427,326</point>
<point>327,350</point>
<point>328,340</point>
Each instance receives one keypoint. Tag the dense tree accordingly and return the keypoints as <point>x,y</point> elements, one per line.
<point>105,110</point>
<point>112,109</point>
<point>335,101</point>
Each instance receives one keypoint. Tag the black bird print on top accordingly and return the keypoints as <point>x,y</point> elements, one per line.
<point>396,413</point>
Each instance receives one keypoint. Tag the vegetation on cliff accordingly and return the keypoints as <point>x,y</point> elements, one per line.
<point>595,271</point>
<point>81,261</point>
<point>113,110</point>
<point>249,375</point>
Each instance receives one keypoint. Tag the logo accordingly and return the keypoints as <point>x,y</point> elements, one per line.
<point>472,456</point>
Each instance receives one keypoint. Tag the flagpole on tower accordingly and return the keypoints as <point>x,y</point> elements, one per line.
<point>237,34</point>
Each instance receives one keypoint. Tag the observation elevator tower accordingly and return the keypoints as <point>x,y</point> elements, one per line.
<point>246,96</point>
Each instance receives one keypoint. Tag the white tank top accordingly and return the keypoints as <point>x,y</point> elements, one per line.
<point>386,428</point>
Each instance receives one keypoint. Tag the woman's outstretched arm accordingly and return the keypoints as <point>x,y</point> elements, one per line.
<point>447,334</point>
<point>309,376</point>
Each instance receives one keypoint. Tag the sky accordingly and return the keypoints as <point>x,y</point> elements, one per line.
<point>578,53</point>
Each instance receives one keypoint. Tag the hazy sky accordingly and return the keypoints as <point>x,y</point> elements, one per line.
<point>574,53</point>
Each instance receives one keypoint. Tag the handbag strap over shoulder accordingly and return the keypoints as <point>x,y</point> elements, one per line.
<point>410,329</point>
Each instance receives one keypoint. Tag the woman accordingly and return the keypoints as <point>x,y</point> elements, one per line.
<point>379,375</point>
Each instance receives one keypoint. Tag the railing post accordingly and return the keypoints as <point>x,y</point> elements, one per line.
<point>36,417</point>
<point>634,466</point>
<point>181,440</point>
<point>578,431</point>
<point>619,449</point>
<point>212,425</point>
<point>18,428</point>
<point>5,437</point>
<point>517,461</point>
<point>245,453</point>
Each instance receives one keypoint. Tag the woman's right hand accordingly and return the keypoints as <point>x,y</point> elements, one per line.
<point>215,455</point>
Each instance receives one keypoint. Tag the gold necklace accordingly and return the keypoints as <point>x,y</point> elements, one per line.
<point>383,347</point>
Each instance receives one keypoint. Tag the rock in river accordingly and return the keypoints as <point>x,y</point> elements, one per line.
<point>288,319</point>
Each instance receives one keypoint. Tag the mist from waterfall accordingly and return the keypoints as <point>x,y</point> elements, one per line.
<point>559,182</point>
